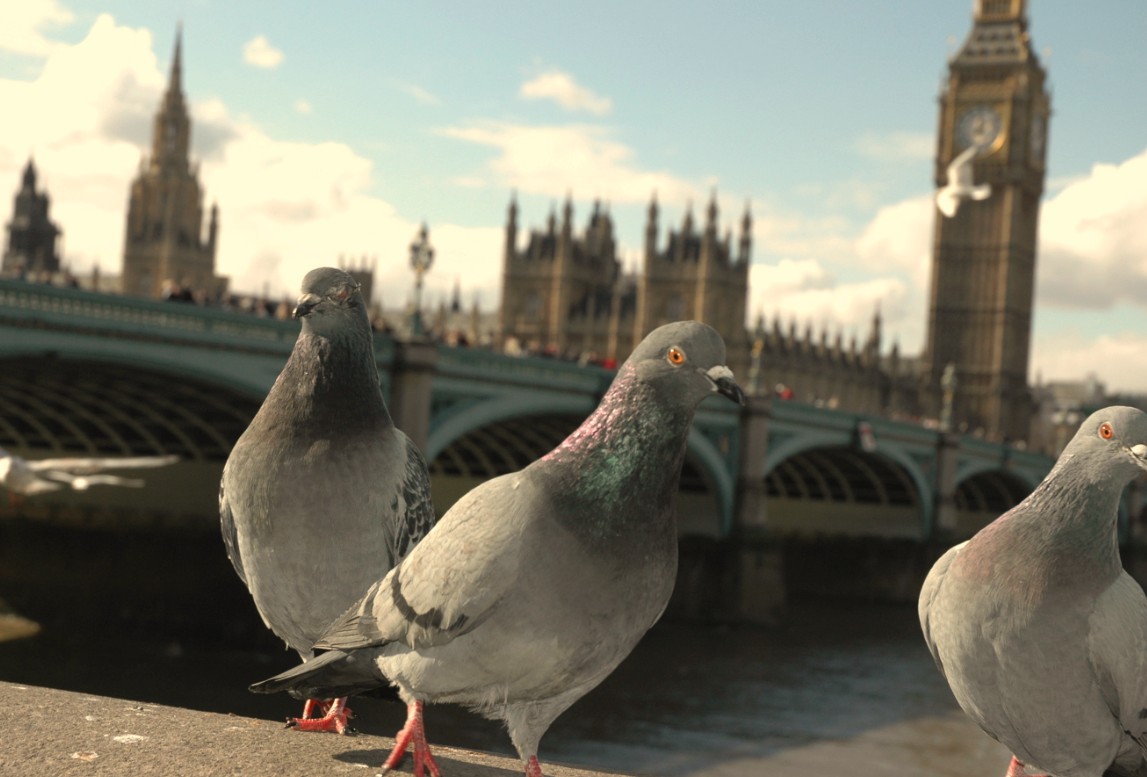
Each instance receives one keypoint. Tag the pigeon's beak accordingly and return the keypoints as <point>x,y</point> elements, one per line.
<point>724,384</point>
<point>1139,455</point>
<point>305,305</point>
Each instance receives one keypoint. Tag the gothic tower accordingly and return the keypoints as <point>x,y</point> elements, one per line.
<point>983,258</point>
<point>698,276</point>
<point>558,293</point>
<point>165,240</point>
<point>31,234</point>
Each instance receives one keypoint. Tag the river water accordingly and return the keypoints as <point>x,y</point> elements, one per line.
<point>835,688</point>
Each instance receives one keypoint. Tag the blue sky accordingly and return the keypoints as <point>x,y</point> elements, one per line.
<point>337,130</point>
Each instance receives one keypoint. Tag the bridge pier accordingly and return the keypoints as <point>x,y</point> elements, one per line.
<point>412,387</point>
<point>758,579</point>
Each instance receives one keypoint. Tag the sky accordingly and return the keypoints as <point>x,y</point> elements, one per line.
<point>330,132</point>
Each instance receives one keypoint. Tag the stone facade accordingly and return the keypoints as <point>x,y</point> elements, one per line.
<point>983,259</point>
<point>165,244</point>
<point>31,247</point>
<point>565,293</point>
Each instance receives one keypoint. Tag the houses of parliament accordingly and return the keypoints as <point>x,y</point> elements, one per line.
<point>564,290</point>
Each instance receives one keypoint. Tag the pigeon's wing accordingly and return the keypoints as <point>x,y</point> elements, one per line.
<point>947,202</point>
<point>960,168</point>
<point>928,593</point>
<point>87,466</point>
<point>1117,645</point>
<point>453,579</point>
<point>230,534</point>
<point>413,493</point>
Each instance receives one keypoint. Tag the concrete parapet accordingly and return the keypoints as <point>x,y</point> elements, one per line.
<point>52,733</point>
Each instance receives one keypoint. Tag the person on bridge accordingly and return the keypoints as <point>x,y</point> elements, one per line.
<point>322,494</point>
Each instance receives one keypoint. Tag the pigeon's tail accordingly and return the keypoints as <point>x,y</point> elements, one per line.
<point>329,676</point>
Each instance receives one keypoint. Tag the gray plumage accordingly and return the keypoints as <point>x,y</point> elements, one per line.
<point>536,584</point>
<point>322,494</point>
<point>1040,633</point>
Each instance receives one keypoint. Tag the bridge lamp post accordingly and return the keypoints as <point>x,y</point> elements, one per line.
<point>421,259</point>
<point>949,383</point>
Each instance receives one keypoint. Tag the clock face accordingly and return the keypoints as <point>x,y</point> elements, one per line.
<point>980,126</point>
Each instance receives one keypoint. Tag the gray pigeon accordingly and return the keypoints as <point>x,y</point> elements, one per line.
<point>1040,633</point>
<point>535,585</point>
<point>322,494</point>
<point>961,184</point>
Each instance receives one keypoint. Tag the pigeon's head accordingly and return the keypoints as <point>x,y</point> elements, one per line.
<point>330,297</point>
<point>1115,439</point>
<point>685,361</point>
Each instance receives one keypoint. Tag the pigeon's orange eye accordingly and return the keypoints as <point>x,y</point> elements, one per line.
<point>1105,431</point>
<point>675,356</point>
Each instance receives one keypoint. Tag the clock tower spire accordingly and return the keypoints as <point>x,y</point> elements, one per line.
<point>984,257</point>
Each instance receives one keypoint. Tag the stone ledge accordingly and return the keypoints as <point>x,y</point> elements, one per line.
<point>59,734</point>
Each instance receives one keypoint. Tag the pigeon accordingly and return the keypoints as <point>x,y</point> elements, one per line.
<point>535,585</point>
<point>322,494</point>
<point>22,477</point>
<point>1038,630</point>
<point>960,186</point>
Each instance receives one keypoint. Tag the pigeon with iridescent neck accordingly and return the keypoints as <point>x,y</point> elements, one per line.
<point>1040,633</point>
<point>536,584</point>
<point>322,494</point>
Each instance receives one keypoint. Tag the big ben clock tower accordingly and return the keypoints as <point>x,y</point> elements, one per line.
<point>984,257</point>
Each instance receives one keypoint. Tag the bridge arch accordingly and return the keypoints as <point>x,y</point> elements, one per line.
<point>473,442</point>
<point>844,490</point>
<point>114,408</point>
<point>983,493</point>
<point>243,372</point>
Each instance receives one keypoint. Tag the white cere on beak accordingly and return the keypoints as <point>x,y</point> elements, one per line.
<point>716,373</point>
<point>1139,451</point>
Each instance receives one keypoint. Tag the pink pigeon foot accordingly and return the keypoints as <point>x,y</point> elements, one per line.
<point>414,732</point>
<point>533,768</point>
<point>1016,769</point>
<point>334,716</point>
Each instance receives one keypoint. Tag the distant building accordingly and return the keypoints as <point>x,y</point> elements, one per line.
<point>31,247</point>
<point>566,294</point>
<point>984,259</point>
<point>165,243</point>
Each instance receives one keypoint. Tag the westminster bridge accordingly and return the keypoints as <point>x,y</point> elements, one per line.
<point>92,374</point>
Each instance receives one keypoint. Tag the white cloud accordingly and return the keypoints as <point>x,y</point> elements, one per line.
<point>553,160</point>
<point>259,52</point>
<point>285,207</point>
<point>566,92</point>
<point>1117,358</point>
<point>805,292</point>
<point>1093,240</point>
<point>420,95</point>
<point>304,107</point>
<point>22,23</point>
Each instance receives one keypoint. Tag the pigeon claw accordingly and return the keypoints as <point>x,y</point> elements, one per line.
<point>412,733</point>
<point>334,718</point>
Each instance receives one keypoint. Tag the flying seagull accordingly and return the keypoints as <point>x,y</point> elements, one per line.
<point>534,586</point>
<point>322,494</point>
<point>960,184</point>
<point>29,477</point>
<point>1040,633</point>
